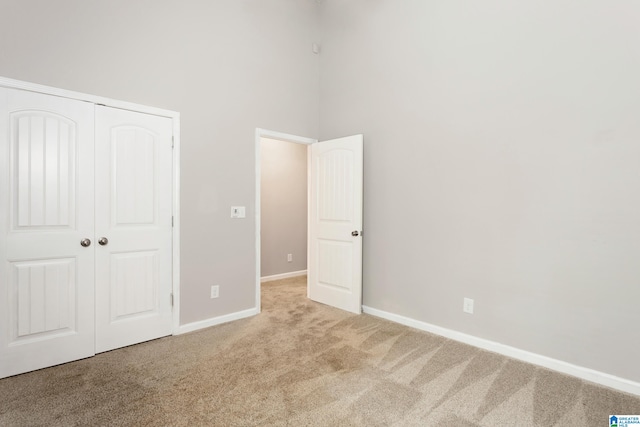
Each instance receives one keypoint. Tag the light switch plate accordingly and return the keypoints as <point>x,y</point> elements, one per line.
<point>238,212</point>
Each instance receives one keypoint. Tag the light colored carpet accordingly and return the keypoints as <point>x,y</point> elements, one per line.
<point>300,363</point>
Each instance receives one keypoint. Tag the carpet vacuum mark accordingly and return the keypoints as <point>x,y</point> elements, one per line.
<point>300,363</point>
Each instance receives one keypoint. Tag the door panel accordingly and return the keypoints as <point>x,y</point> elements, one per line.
<point>335,261</point>
<point>335,255</point>
<point>134,168</point>
<point>44,299</point>
<point>44,145</point>
<point>133,211</point>
<point>46,185</point>
<point>134,278</point>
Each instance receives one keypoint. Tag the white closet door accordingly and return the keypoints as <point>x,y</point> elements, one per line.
<point>46,210</point>
<point>133,215</point>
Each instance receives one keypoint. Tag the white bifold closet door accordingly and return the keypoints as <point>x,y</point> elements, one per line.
<point>71,174</point>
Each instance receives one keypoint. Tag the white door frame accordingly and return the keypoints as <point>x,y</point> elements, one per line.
<point>265,133</point>
<point>175,117</point>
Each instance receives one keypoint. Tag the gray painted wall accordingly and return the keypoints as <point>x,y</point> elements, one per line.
<point>283,207</point>
<point>216,62</point>
<point>502,159</point>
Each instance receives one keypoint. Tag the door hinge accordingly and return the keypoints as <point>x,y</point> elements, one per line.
<point>171,298</point>
<point>172,141</point>
<point>171,221</point>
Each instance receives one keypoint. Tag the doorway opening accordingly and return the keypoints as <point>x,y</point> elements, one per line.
<point>281,206</point>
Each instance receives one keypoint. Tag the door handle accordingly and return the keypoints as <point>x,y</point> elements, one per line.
<point>103,241</point>
<point>355,233</point>
<point>85,242</point>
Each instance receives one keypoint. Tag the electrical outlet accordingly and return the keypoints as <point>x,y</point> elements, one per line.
<point>289,257</point>
<point>467,305</point>
<point>215,291</point>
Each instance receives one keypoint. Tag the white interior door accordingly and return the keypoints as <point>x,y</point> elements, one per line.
<point>46,199</point>
<point>335,223</point>
<point>133,216</point>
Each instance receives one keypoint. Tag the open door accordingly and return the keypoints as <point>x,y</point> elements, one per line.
<point>335,223</point>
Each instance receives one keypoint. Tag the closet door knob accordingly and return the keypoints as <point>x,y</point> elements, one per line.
<point>355,233</point>
<point>103,241</point>
<point>85,242</point>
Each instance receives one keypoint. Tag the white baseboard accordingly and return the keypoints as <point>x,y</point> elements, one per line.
<point>587,374</point>
<point>282,276</point>
<point>194,326</point>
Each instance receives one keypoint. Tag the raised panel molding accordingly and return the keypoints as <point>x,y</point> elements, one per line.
<point>134,169</point>
<point>334,264</point>
<point>338,183</point>
<point>43,303</point>
<point>134,282</point>
<point>43,147</point>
